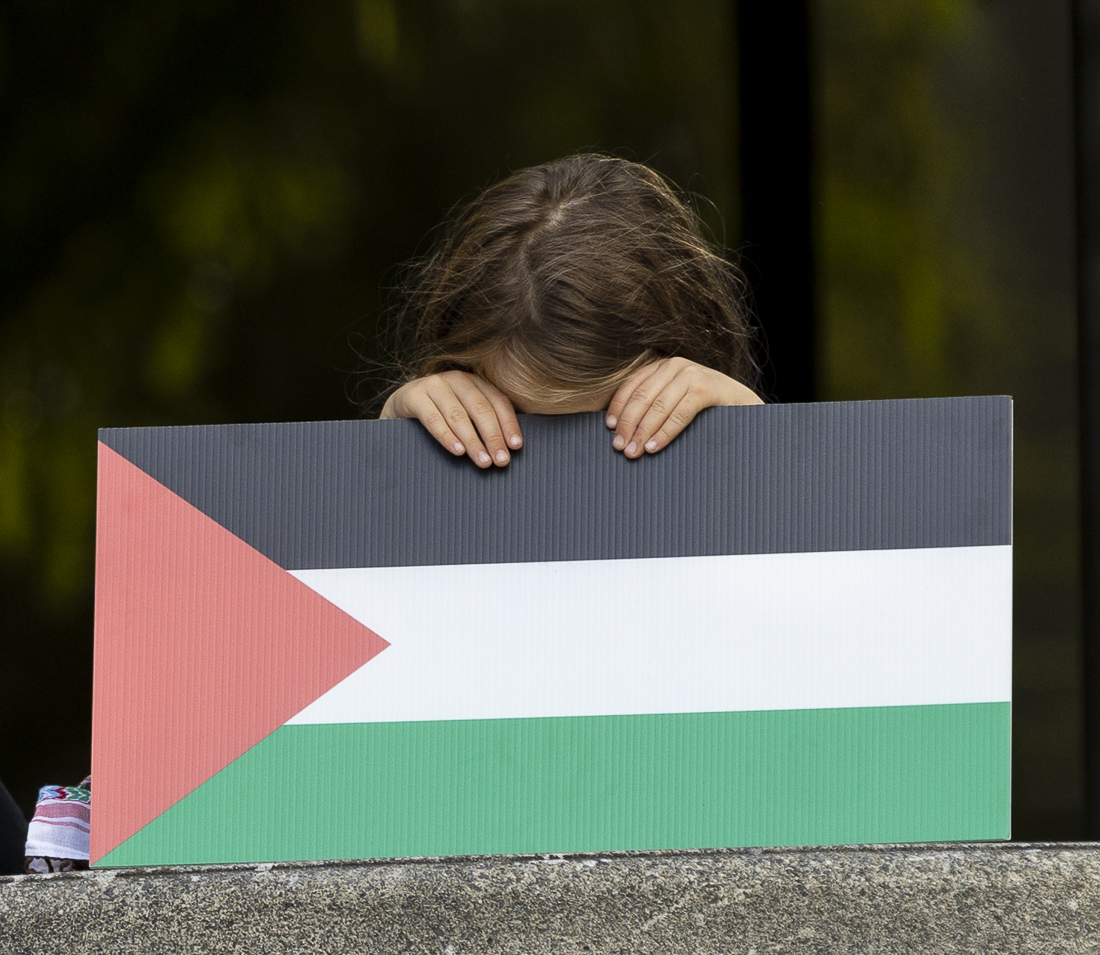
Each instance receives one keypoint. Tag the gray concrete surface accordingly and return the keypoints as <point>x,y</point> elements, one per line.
<point>935,898</point>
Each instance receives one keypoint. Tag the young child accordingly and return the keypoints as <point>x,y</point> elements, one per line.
<point>579,285</point>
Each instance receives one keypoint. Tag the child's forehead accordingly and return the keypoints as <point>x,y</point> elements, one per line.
<point>536,405</point>
<point>531,395</point>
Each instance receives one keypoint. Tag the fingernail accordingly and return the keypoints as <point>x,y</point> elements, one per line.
<point>618,443</point>
<point>483,458</point>
<point>612,421</point>
<point>632,447</point>
<point>651,444</point>
<point>515,441</point>
<point>502,456</point>
<point>458,448</point>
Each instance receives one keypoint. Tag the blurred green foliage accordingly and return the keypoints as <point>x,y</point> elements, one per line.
<point>202,205</point>
<point>945,249</point>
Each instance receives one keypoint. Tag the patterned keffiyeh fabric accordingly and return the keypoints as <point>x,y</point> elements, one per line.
<point>58,835</point>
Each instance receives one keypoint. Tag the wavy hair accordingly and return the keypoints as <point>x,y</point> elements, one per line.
<point>561,280</point>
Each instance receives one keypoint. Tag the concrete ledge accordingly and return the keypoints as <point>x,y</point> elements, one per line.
<point>935,898</point>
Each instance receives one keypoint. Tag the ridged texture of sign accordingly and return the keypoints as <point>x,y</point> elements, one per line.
<point>203,648</point>
<point>827,661</point>
<point>755,480</point>
<point>795,777</point>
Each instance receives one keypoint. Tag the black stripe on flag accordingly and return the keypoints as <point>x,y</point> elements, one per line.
<point>755,480</point>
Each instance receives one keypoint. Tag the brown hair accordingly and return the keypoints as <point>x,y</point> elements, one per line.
<point>563,278</point>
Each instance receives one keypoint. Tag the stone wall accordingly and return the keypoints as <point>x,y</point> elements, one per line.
<point>936,898</point>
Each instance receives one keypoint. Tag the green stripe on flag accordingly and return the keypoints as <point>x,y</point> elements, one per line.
<point>579,784</point>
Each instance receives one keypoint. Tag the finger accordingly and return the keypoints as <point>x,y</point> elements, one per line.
<point>414,401</point>
<point>446,420</point>
<point>625,390</point>
<point>662,413</point>
<point>506,419</point>
<point>677,419</point>
<point>483,405</point>
<point>463,420</point>
<point>651,398</point>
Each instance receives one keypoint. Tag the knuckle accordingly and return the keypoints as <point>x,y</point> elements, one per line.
<point>482,407</point>
<point>680,419</point>
<point>659,406</point>
<point>410,395</point>
<point>434,423</point>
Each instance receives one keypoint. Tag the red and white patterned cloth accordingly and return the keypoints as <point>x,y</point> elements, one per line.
<point>57,837</point>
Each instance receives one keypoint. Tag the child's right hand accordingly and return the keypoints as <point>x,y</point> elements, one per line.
<point>662,398</point>
<point>464,413</point>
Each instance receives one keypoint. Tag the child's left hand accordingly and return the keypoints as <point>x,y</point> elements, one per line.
<point>659,400</point>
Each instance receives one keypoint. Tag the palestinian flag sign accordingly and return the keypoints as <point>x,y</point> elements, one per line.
<point>334,640</point>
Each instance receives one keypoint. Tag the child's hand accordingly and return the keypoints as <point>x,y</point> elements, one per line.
<point>659,400</point>
<point>464,413</point>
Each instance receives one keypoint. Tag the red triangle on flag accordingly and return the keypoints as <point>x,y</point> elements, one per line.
<point>203,646</point>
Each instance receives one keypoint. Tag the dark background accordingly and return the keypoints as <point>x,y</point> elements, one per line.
<point>203,204</point>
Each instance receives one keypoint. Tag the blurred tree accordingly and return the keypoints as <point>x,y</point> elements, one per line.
<point>201,206</point>
<point>200,202</point>
<point>945,253</point>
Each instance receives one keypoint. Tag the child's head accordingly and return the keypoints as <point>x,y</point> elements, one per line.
<point>560,281</point>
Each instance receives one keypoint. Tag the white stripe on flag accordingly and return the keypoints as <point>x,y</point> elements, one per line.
<point>675,635</point>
